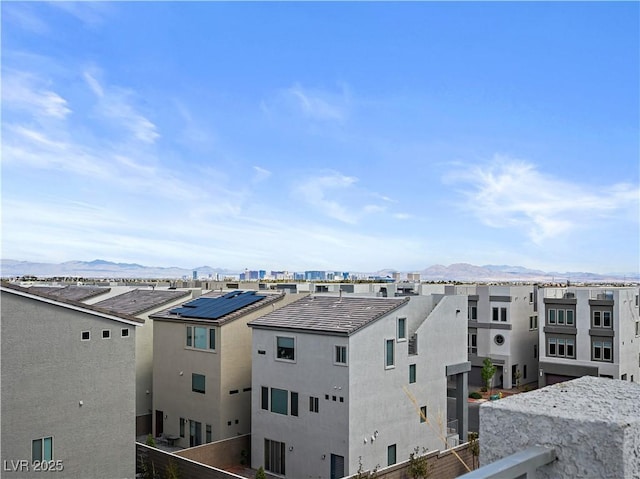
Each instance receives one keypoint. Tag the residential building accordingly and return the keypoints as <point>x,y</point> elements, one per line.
<point>587,331</point>
<point>202,365</point>
<point>345,382</point>
<point>503,326</point>
<point>68,387</point>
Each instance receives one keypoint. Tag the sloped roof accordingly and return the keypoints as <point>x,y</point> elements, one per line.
<point>140,300</point>
<point>76,293</point>
<point>329,314</point>
<point>69,303</point>
<point>218,307</point>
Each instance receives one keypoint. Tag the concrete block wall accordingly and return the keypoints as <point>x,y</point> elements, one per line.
<point>221,454</point>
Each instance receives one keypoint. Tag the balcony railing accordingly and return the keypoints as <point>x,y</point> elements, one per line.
<point>515,466</point>
<point>413,344</point>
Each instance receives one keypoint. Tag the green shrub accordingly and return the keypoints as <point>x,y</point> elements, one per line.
<point>475,395</point>
<point>151,441</point>
<point>260,474</point>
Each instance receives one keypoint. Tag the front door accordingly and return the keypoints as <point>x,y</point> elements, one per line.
<point>337,466</point>
<point>159,423</point>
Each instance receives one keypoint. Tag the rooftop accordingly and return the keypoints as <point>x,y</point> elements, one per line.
<point>329,314</point>
<point>76,293</point>
<point>140,300</point>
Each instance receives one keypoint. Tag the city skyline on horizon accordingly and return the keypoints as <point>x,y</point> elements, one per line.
<point>271,133</point>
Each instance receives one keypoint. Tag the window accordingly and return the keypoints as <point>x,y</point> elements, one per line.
<point>197,383</point>
<point>499,339</point>
<point>551,347</point>
<point>199,338</point>
<point>182,423</point>
<point>623,377</point>
<point>473,343</point>
<point>279,401</point>
<point>86,336</point>
<point>524,373</point>
<point>412,373</point>
<point>473,311</point>
<point>294,403</point>
<point>423,413</point>
<point>570,317</point>
<point>637,328</point>
<point>389,356</point>
<point>503,314</point>
<point>341,355</point>
<point>208,433</point>
<point>402,328</point>
<point>552,316</point>
<point>606,319</point>
<point>42,449</point>
<point>265,398</point>
<point>571,350</point>
<point>124,332</point>
<point>561,316</point>
<point>601,350</point>
<point>106,334</point>
<point>274,456</point>
<point>313,404</point>
<point>535,351</point>
<point>495,312</point>
<point>561,347</point>
<point>531,297</point>
<point>391,455</point>
<point>285,348</point>
<point>597,319</point>
<point>533,323</point>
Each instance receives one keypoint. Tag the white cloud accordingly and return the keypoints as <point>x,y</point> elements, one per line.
<point>514,193</point>
<point>312,104</point>
<point>317,192</point>
<point>25,92</point>
<point>114,103</point>
<point>260,174</point>
<point>21,13</point>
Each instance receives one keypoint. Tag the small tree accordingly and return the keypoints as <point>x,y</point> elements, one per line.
<point>487,373</point>
<point>474,446</point>
<point>151,441</point>
<point>171,470</point>
<point>418,465</point>
<point>260,474</point>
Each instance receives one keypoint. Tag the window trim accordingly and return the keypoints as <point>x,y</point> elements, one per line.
<point>337,357</point>
<point>423,414</point>
<point>190,339</point>
<point>108,336</point>
<point>402,321</point>
<point>42,449</point>
<point>277,351</point>
<point>124,333</point>
<point>389,343</point>
<point>88,333</point>
<point>204,383</point>
<point>412,373</point>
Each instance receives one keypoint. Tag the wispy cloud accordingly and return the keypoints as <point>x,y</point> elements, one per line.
<point>89,13</point>
<point>22,14</point>
<point>260,174</point>
<point>115,104</point>
<point>311,104</point>
<point>318,192</point>
<point>25,92</point>
<point>514,193</point>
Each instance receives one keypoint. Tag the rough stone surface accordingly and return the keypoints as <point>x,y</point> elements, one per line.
<point>593,424</point>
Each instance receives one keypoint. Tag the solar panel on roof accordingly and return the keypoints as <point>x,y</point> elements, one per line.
<point>214,308</point>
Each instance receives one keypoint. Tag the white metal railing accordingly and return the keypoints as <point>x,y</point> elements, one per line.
<point>520,464</point>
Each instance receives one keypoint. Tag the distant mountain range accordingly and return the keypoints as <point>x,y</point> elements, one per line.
<point>455,272</point>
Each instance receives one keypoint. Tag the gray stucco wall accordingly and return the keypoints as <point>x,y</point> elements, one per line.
<point>47,370</point>
<point>593,424</point>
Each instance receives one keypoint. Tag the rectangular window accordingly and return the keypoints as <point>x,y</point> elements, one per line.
<point>495,314</point>
<point>341,354</point>
<point>208,433</point>
<point>561,316</point>
<point>561,351</point>
<point>285,348</point>
<point>637,328</point>
<point>552,316</point>
<point>606,351</point>
<point>195,433</point>
<point>106,334</point>
<point>531,297</point>
<point>535,351</point>
<point>571,351</point>
<point>182,423</point>
<point>423,413</point>
<point>124,332</point>
<point>524,372</point>
<point>597,350</point>
<point>391,455</point>
<point>279,401</point>
<point>294,403</point>
<point>551,347</point>
<point>474,313</point>
<point>212,338</point>
<point>402,328</point>
<point>189,336</point>
<point>473,343</point>
<point>86,336</point>
<point>606,319</point>
<point>503,314</point>
<point>197,383</point>
<point>533,323</point>
<point>412,373</point>
<point>274,456</point>
<point>265,398</point>
<point>623,377</point>
<point>570,317</point>
<point>389,356</point>
<point>199,337</point>
<point>313,404</point>
<point>597,319</point>
<point>42,449</point>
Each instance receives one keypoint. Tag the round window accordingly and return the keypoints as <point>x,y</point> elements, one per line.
<point>499,339</point>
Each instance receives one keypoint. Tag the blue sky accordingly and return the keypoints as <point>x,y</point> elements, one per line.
<point>339,136</point>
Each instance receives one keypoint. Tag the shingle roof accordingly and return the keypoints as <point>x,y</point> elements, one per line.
<point>329,314</point>
<point>140,300</point>
<point>171,315</point>
<point>76,293</point>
